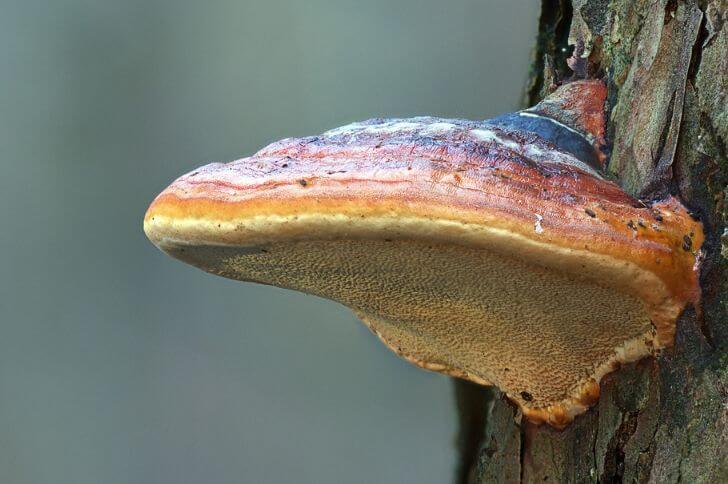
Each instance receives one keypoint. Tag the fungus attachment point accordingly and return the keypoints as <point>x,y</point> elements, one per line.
<point>492,251</point>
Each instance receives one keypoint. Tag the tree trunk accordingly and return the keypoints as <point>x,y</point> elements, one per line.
<point>663,419</point>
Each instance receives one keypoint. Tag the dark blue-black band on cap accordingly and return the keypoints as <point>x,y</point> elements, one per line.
<point>551,130</point>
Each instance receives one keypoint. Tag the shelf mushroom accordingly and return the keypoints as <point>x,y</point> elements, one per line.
<point>494,251</point>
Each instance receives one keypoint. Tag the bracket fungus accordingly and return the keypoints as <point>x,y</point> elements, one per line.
<point>494,251</point>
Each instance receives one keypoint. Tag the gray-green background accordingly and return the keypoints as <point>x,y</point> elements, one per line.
<point>121,365</point>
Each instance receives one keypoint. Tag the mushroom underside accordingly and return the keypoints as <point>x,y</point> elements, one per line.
<point>544,334</point>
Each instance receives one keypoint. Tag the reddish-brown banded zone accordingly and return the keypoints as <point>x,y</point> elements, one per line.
<point>461,175</point>
<point>580,105</point>
<point>449,174</point>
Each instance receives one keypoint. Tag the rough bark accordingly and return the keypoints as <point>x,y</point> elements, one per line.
<point>663,419</point>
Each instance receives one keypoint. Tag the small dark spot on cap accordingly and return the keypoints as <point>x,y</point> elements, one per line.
<point>590,212</point>
<point>285,165</point>
<point>526,396</point>
<point>387,240</point>
<point>658,217</point>
<point>630,224</point>
<point>687,243</point>
<point>302,182</point>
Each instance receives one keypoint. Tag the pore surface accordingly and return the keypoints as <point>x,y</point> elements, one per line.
<point>537,333</point>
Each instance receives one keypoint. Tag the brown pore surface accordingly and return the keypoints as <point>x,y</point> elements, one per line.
<point>537,334</point>
<point>475,251</point>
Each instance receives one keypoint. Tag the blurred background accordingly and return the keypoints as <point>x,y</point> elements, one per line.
<point>121,365</point>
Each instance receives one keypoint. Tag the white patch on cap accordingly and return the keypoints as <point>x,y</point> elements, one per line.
<point>437,128</point>
<point>491,137</point>
<point>385,127</point>
<point>557,157</point>
<point>424,125</point>
<point>534,152</point>
<point>537,226</point>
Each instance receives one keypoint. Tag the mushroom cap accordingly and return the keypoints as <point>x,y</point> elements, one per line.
<point>472,249</point>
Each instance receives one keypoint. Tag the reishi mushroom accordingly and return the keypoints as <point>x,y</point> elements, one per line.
<point>494,251</point>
